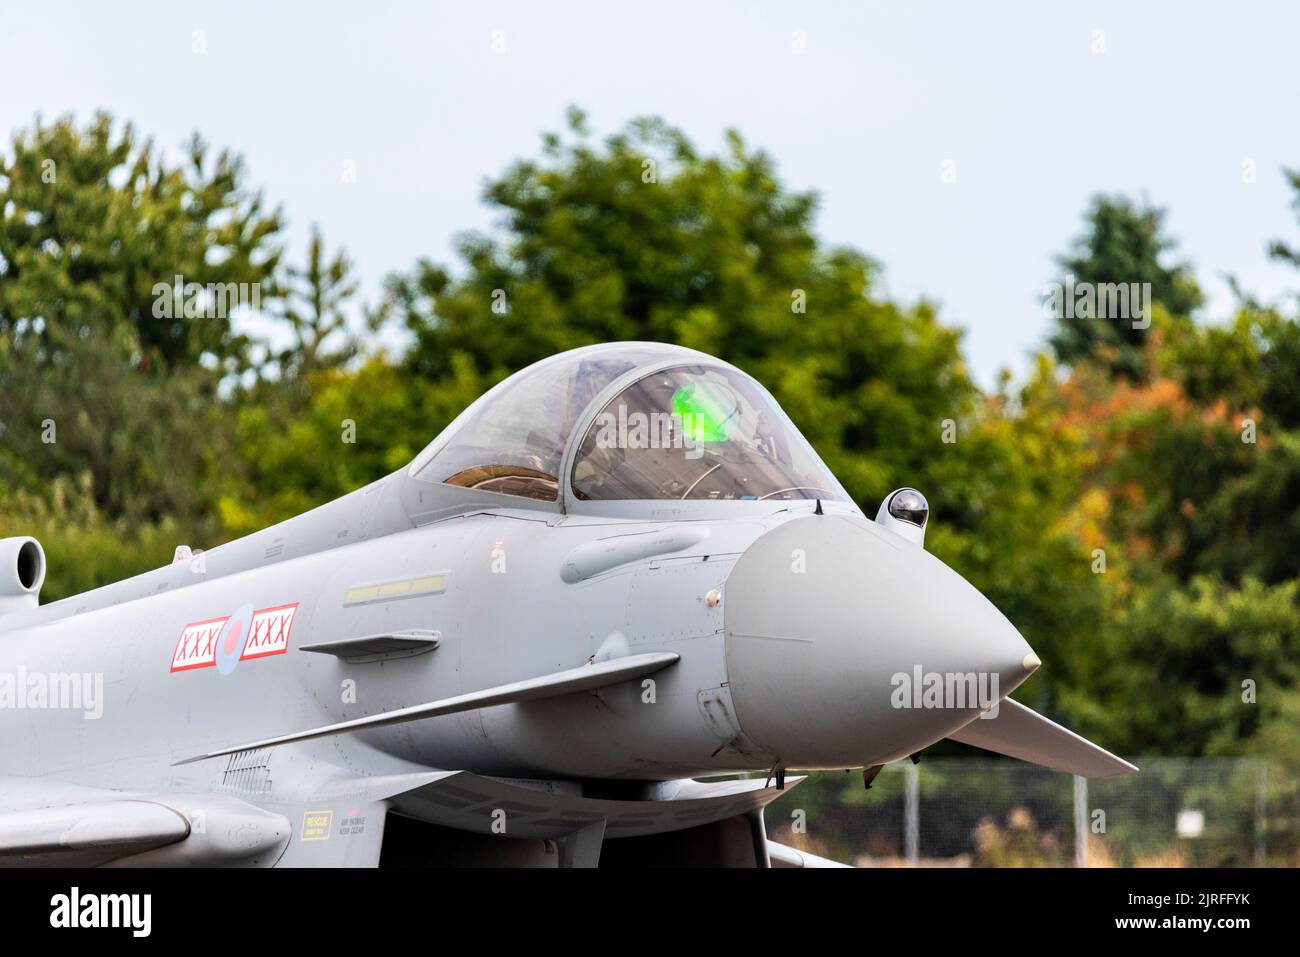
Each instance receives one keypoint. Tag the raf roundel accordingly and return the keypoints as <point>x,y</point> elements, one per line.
<point>230,643</point>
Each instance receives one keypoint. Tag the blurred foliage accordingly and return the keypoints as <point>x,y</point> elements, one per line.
<point>1132,503</point>
<point>93,223</point>
<point>84,546</point>
<point>356,426</point>
<point>1122,243</point>
<point>92,220</point>
<point>1018,844</point>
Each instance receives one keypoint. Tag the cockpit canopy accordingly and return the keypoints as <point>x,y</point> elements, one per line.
<point>695,432</point>
<point>689,428</point>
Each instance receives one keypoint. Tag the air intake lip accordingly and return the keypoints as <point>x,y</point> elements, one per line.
<point>31,565</point>
<point>22,573</point>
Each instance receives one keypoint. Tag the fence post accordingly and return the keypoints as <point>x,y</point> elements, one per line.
<point>912,813</point>
<point>1080,821</point>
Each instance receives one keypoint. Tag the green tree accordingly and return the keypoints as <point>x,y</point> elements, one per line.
<point>1123,243</point>
<point>1279,248</point>
<point>93,222</point>
<point>95,228</point>
<point>1167,676</point>
<point>149,444</point>
<point>348,427</point>
<point>315,310</point>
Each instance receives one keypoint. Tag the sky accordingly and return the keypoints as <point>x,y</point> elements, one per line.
<point>1030,108</point>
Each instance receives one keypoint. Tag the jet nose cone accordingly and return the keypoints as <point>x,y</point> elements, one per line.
<point>962,629</point>
<point>847,645</point>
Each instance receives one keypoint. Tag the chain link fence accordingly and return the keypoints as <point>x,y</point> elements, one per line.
<point>961,812</point>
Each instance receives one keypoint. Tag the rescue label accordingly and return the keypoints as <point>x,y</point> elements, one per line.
<point>316,825</point>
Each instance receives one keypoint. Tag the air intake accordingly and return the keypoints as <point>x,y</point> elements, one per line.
<point>22,573</point>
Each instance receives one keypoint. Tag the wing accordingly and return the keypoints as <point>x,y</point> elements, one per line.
<point>782,855</point>
<point>1023,733</point>
<point>585,678</point>
<point>87,834</point>
<point>47,824</point>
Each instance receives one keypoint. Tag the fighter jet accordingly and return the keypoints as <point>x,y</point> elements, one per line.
<point>566,634</point>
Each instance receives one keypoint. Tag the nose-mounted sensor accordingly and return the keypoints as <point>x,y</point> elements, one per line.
<point>905,512</point>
